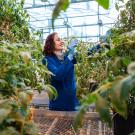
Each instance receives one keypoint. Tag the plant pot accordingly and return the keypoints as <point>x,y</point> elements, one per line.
<point>123,126</point>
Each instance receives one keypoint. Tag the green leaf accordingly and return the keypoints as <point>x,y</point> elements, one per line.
<point>30,128</point>
<point>111,53</point>
<point>106,116</point>
<point>61,5</point>
<point>104,89</point>
<point>90,98</point>
<point>126,60</point>
<point>48,72</point>
<point>103,109</point>
<point>39,87</point>
<point>52,93</point>
<point>23,111</point>
<point>23,98</point>
<point>4,113</point>
<point>3,81</point>
<point>5,50</point>
<point>9,131</point>
<point>82,110</point>
<point>103,3</point>
<point>79,117</point>
<point>119,105</point>
<point>126,85</point>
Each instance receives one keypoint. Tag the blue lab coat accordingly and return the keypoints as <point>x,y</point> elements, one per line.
<point>64,82</point>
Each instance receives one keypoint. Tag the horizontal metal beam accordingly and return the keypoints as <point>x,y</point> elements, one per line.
<point>50,5</point>
<point>73,17</point>
<point>83,37</point>
<point>88,36</point>
<point>63,26</point>
<point>39,6</point>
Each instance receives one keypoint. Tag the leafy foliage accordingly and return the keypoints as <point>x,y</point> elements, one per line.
<point>21,73</point>
<point>13,21</point>
<point>105,65</point>
<point>116,90</point>
<point>126,19</point>
<point>14,116</point>
<point>21,70</point>
<point>94,69</point>
<point>114,95</point>
<point>21,66</point>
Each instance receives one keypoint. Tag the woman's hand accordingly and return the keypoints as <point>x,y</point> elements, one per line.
<point>72,45</point>
<point>71,48</point>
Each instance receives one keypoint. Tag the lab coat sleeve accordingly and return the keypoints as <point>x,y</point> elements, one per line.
<point>61,71</point>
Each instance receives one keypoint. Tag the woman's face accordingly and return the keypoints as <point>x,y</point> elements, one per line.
<point>59,44</point>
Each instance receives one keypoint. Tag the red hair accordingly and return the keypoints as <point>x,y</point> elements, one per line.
<point>49,44</point>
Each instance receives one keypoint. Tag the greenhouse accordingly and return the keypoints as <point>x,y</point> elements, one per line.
<point>67,67</point>
<point>86,19</point>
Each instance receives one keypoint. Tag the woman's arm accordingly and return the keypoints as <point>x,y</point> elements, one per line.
<point>61,71</point>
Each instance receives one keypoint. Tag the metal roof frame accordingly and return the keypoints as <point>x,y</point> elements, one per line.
<point>42,20</point>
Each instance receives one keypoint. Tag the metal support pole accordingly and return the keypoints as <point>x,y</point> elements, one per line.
<point>67,29</point>
<point>41,36</point>
<point>98,23</point>
<point>33,3</point>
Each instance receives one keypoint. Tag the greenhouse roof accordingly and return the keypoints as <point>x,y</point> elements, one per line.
<point>84,19</point>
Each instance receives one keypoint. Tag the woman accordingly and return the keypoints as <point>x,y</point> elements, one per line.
<point>62,66</point>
